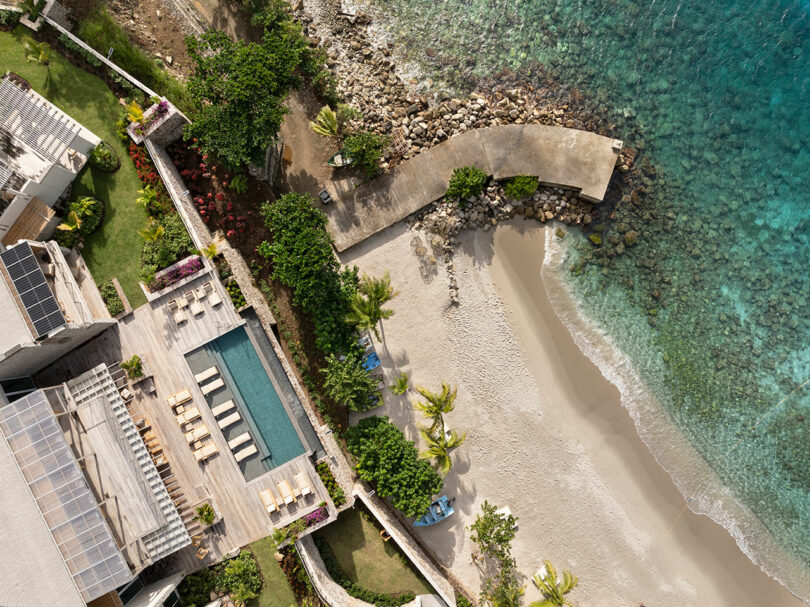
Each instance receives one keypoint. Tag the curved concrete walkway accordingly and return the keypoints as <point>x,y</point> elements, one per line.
<point>559,156</point>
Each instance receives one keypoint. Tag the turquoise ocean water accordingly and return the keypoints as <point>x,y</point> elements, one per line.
<point>712,305</point>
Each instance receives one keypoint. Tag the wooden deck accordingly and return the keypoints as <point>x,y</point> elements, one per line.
<point>152,333</point>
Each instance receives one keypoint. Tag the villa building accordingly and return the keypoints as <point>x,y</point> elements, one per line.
<point>42,149</point>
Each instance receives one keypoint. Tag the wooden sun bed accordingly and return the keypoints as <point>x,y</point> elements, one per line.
<point>179,398</point>
<point>214,385</point>
<point>206,451</point>
<point>199,432</point>
<point>229,421</point>
<point>286,492</point>
<point>246,452</point>
<point>223,408</point>
<point>213,296</point>
<point>239,440</point>
<point>196,307</point>
<point>182,302</point>
<point>207,374</point>
<point>269,501</point>
<point>188,416</point>
<point>177,312</point>
<point>303,483</point>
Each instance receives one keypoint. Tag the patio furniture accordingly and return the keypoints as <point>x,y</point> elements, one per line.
<point>214,385</point>
<point>126,394</point>
<point>195,307</point>
<point>213,296</point>
<point>201,553</point>
<point>199,432</point>
<point>269,501</point>
<point>286,492</point>
<point>303,483</point>
<point>188,416</point>
<point>229,421</point>
<point>223,408</point>
<point>296,491</point>
<point>182,302</point>
<point>371,361</point>
<point>239,440</point>
<point>177,313</point>
<point>180,397</point>
<point>206,451</point>
<point>207,374</point>
<point>325,197</point>
<point>246,452</point>
<point>200,293</point>
<point>365,343</point>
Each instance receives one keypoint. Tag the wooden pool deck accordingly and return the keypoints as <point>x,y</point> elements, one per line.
<point>152,333</point>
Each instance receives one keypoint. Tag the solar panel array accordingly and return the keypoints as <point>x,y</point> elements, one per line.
<point>63,496</point>
<point>33,290</point>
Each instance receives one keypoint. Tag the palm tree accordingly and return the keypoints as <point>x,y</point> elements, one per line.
<point>326,123</point>
<point>366,306</point>
<point>436,405</point>
<point>152,230</point>
<point>37,51</point>
<point>439,446</point>
<point>553,588</point>
<point>72,223</point>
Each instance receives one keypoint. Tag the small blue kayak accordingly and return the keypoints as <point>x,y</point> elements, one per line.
<point>439,510</point>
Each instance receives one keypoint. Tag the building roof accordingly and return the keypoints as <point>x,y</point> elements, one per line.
<point>67,505</point>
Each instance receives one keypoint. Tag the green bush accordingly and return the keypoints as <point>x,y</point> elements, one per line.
<point>390,461</point>
<point>366,149</point>
<point>90,211</point>
<point>133,366</point>
<point>239,183</point>
<point>521,186</point>
<point>9,18</point>
<point>174,245</point>
<point>237,297</point>
<point>110,296</point>
<point>241,577</point>
<point>353,588</point>
<point>70,45</point>
<point>195,589</point>
<point>336,494</point>
<point>466,182</point>
<point>347,382</point>
<point>104,158</point>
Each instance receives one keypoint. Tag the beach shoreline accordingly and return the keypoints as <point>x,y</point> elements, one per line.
<point>548,435</point>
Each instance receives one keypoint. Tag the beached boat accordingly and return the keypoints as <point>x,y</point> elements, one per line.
<point>340,160</point>
<point>439,510</point>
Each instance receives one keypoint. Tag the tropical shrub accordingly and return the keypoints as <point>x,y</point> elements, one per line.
<point>111,299</point>
<point>133,367</point>
<point>89,211</point>
<point>9,18</point>
<point>366,149</point>
<point>236,295</point>
<point>325,123</point>
<point>494,534</point>
<point>390,461</point>
<point>239,183</point>
<point>400,385</point>
<point>347,382</point>
<point>345,113</point>
<point>33,8</point>
<point>521,186</point>
<point>173,245</point>
<point>205,513</point>
<point>196,588</point>
<point>466,182</point>
<point>241,577</point>
<point>104,158</point>
<point>336,494</point>
<point>553,588</point>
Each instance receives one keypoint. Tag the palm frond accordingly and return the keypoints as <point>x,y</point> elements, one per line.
<point>326,123</point>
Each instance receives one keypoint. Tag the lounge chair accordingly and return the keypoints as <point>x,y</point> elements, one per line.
<point>246,452</point>
<point>200,293</point>
<point>196,307</point>
<point>205,452</point>
<point>177,313</point>
<point>213,296</point>
<point>179,398</point>
<point>229,421</point>
<point>207,374</point>
<point>239,440</point>
<point>199,432</point>
<point>214,385</point>
<point>296,491</point>
<point>303,483</point>
<point>188,416</point>
<point>286,492</point>
<point>269,501</point>
<point>182,302</point>
<point>223,408</point>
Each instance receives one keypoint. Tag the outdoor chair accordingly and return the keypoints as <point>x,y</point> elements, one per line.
<point>286,492</point>
<point>177,313</point>
<point>207,374</point>
<point>180,397</point>
<point>182,302</point>
<point>229,421</point>
<point>214,385</point>
<point>213,296</point>
<point>303,483</point>
<point>239,440</point>
<point>196,307</point>
<point>246,452</point>
<point>269,501</point>
<point>223,408</point>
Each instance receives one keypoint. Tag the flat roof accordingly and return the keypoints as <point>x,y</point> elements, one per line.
<point>15,328</point>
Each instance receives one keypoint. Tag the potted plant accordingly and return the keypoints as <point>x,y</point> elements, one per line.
<point>133,367</point>
<point>205,514</point>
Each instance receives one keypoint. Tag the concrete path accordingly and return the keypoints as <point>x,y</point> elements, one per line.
<point>559,156</point>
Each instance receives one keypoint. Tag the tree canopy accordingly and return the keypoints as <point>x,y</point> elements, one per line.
<point>347,382</point>
<point>390,461</point>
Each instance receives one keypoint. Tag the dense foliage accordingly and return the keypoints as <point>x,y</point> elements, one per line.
<point>335,492</point>
<point>347,382</point>
<point>365,149</point>
<point>302,258</point>
<point>174,245</point>
<point>521,186</point>
<point>466,182</point>
<point>353,588</point>
<point>111,299</point>
<point>104,158</point>
<point>236,295</point>
<point>133,367</point>
<point>494,533</point>
<point>241,577</point>
<point>239,88</point>
<point>390,461</point>
<point>83,217</point>
<point>366,305</point>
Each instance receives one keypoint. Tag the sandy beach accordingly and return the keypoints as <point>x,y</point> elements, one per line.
<point>547,435</point>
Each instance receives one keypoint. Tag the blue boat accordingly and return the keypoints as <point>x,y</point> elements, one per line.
<point>371,361</point>
<point>439,510</point>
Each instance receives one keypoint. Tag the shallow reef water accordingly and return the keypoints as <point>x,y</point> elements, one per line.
<point>711,303</point>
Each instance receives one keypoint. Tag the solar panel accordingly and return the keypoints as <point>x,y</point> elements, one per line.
<point>32,288</point>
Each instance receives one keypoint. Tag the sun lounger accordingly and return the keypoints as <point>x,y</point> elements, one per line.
<point>245,453</point>
<point>206,452</point>
<point>196,307</point>
<point>303,483</point>
<point>188,416</point>
<point>239,440</point>
<point>286,493</point>
<point>200,293</point>
<point>199,432</point>
<point>180,397</point>
<point>229,421</point>
<point>223,408</point>
<point>269,501</point>
<point>177,313</point>
<point>207,374</point>
<point>182,302</point>
<point>213,296</point>
<point>294,488</point>
<point>214,385</point>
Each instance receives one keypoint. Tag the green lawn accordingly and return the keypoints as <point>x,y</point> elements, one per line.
<point>276,592</point>
<point>367,560</point>
<point>115,249</point>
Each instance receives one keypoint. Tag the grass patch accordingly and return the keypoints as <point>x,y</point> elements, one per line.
<point>369,561</point>
<point>115,249</point>
<point>102,32</point>
<point>275,592</point>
